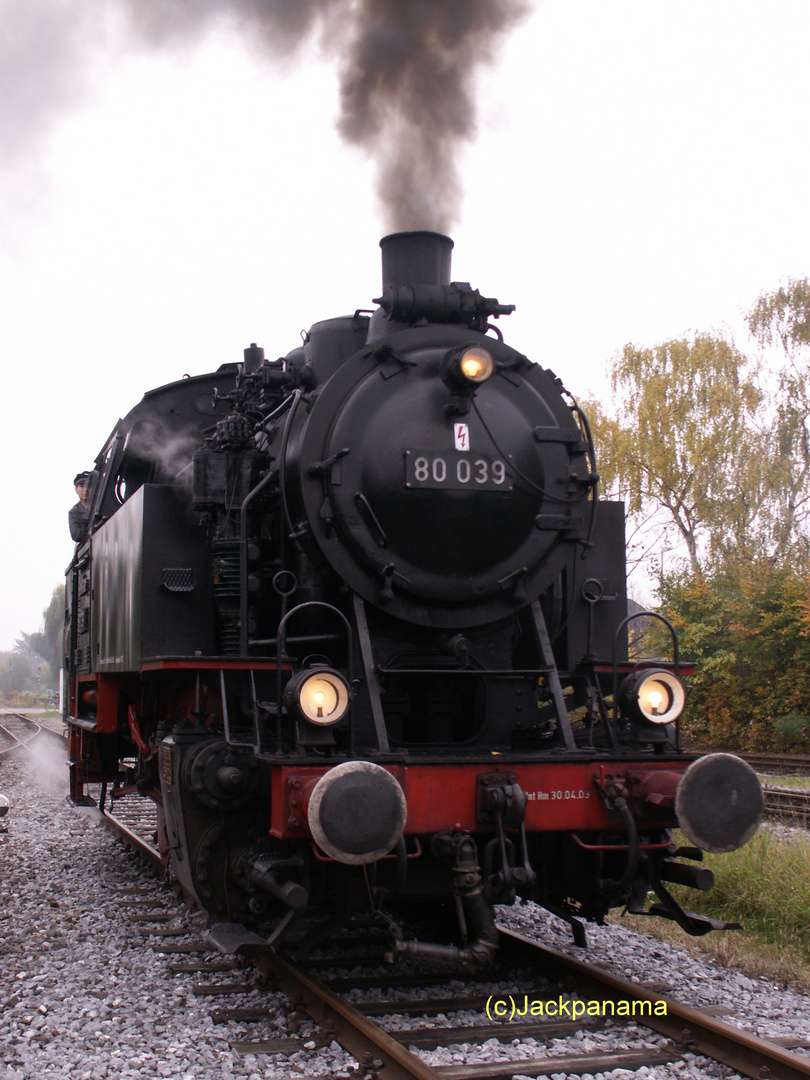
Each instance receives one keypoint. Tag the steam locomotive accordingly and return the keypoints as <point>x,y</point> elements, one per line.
<point>356,621</point>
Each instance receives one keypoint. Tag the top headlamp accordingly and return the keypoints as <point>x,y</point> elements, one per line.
<point>318,695</point>
<point>476,364</point>
<point>468,367</point>
<point>654,694</point>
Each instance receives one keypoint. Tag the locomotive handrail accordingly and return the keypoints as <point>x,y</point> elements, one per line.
<point>586,430</point>
<point>244,639</point>
<point>244,643</point>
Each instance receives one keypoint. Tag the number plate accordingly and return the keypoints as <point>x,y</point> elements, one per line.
<point>456,472</point>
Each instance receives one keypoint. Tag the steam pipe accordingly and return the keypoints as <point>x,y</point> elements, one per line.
<point>607,885</point>
<point>478,913</point>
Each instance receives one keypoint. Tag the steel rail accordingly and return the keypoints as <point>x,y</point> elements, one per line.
<point>354,1031</point>
<point>124,825</point>
<point>46,724</point>
<point>18,742</point>
<point>142,847</point>
<point>702,1033</point>
<point>380,1053</point>
<point>792,763</point>
<point>30,743</point>
<point>787,803</point>
<point>11,747</point>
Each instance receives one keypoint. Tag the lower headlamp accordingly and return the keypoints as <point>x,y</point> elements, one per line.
<point>318,695</point>
<point>654,694</point>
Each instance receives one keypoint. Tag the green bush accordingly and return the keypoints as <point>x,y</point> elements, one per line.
<point>794,727</point>
<point>748,629</point>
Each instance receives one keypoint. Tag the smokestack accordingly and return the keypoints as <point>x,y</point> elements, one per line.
<point>416,258</point>
<point>417,286</point>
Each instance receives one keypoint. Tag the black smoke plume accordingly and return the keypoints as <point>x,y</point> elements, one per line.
<point>407,97</point>
<point>407,68</point>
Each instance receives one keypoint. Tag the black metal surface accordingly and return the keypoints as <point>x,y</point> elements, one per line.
<point>134,611</point>
<point>482,556</point>
<point>416,258</point>
<point>719,802</point>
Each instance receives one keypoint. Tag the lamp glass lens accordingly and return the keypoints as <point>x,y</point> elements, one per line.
<point>323,698</point>
<point>660,697</point>
<point>476,364</point>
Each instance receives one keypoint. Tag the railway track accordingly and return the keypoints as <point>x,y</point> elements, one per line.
<point>132,817</point>
<point>503,1019</point>
<point>36,737</point>
<point>781,764</point>
<point>16,732</point>
<point>419,1015</point>
<point>367,1030</point>
<point>464,1023</point>
<point>788,805</point>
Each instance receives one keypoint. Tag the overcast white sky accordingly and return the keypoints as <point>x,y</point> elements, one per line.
<point>640,171</point>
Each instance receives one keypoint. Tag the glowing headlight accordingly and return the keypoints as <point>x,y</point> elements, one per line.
<point>654,695</point>
<point>467,367</point>
<point>320,696</point>
<point>476,364</point>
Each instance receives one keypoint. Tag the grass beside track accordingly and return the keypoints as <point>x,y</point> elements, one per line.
<point>765,886</point>
<point>785,781</point>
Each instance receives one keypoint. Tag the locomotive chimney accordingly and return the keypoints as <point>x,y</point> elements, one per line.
<point>411,262</point>
<point>416,258</point>
<point>417,287</point>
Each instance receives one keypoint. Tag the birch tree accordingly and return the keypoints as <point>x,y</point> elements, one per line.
<point>681,437</point>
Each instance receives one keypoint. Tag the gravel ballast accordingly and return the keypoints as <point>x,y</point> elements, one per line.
<point>85,994</point>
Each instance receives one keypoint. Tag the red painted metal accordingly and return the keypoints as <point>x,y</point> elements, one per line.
<point>135,730</point>
<point>625,667</point>
<point>107,709</point>
<point>205,663</point>
<point>99,694</point>
<point>620,847</point>
<point>562,796</point>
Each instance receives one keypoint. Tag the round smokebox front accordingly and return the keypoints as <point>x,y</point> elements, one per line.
<point>357,812</point>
